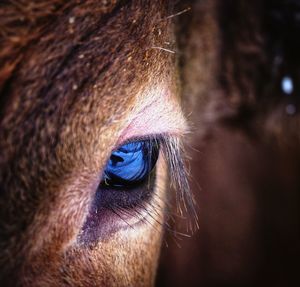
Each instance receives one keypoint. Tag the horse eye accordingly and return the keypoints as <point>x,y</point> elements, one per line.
<point>122,191</point>
<point>130,165</point>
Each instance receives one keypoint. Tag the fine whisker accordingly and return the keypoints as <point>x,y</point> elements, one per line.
<point>163,49</point>
<point>178,13</point>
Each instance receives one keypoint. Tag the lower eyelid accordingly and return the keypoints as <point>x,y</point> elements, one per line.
<point>106,218</point>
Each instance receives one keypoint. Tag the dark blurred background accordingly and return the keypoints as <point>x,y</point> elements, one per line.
<point>244,146</point>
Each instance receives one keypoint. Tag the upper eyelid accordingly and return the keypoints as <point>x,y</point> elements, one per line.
<point>155,112</point>
<point>157,137</point>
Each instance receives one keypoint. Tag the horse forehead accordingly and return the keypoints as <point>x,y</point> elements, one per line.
<point>83,47</point>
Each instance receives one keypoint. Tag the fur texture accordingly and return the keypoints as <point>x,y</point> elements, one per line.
<point>71,74</point>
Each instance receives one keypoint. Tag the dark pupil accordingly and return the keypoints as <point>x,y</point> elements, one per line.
<point>131,164</point>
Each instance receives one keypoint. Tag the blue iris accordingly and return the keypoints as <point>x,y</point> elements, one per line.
<point>130,164</point>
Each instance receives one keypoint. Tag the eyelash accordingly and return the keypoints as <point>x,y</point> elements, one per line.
<point>137,198</point>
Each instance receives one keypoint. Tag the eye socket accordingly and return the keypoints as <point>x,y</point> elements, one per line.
<point>130,165</point>
<point>128,193</point>
<point>127,184</point>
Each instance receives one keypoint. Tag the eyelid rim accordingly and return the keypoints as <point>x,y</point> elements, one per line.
<point>156,137</point>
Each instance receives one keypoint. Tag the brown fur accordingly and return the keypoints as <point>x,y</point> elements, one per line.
<point>71,72</point>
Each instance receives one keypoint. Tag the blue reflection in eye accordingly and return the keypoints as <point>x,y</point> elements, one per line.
<point>130,164</point>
